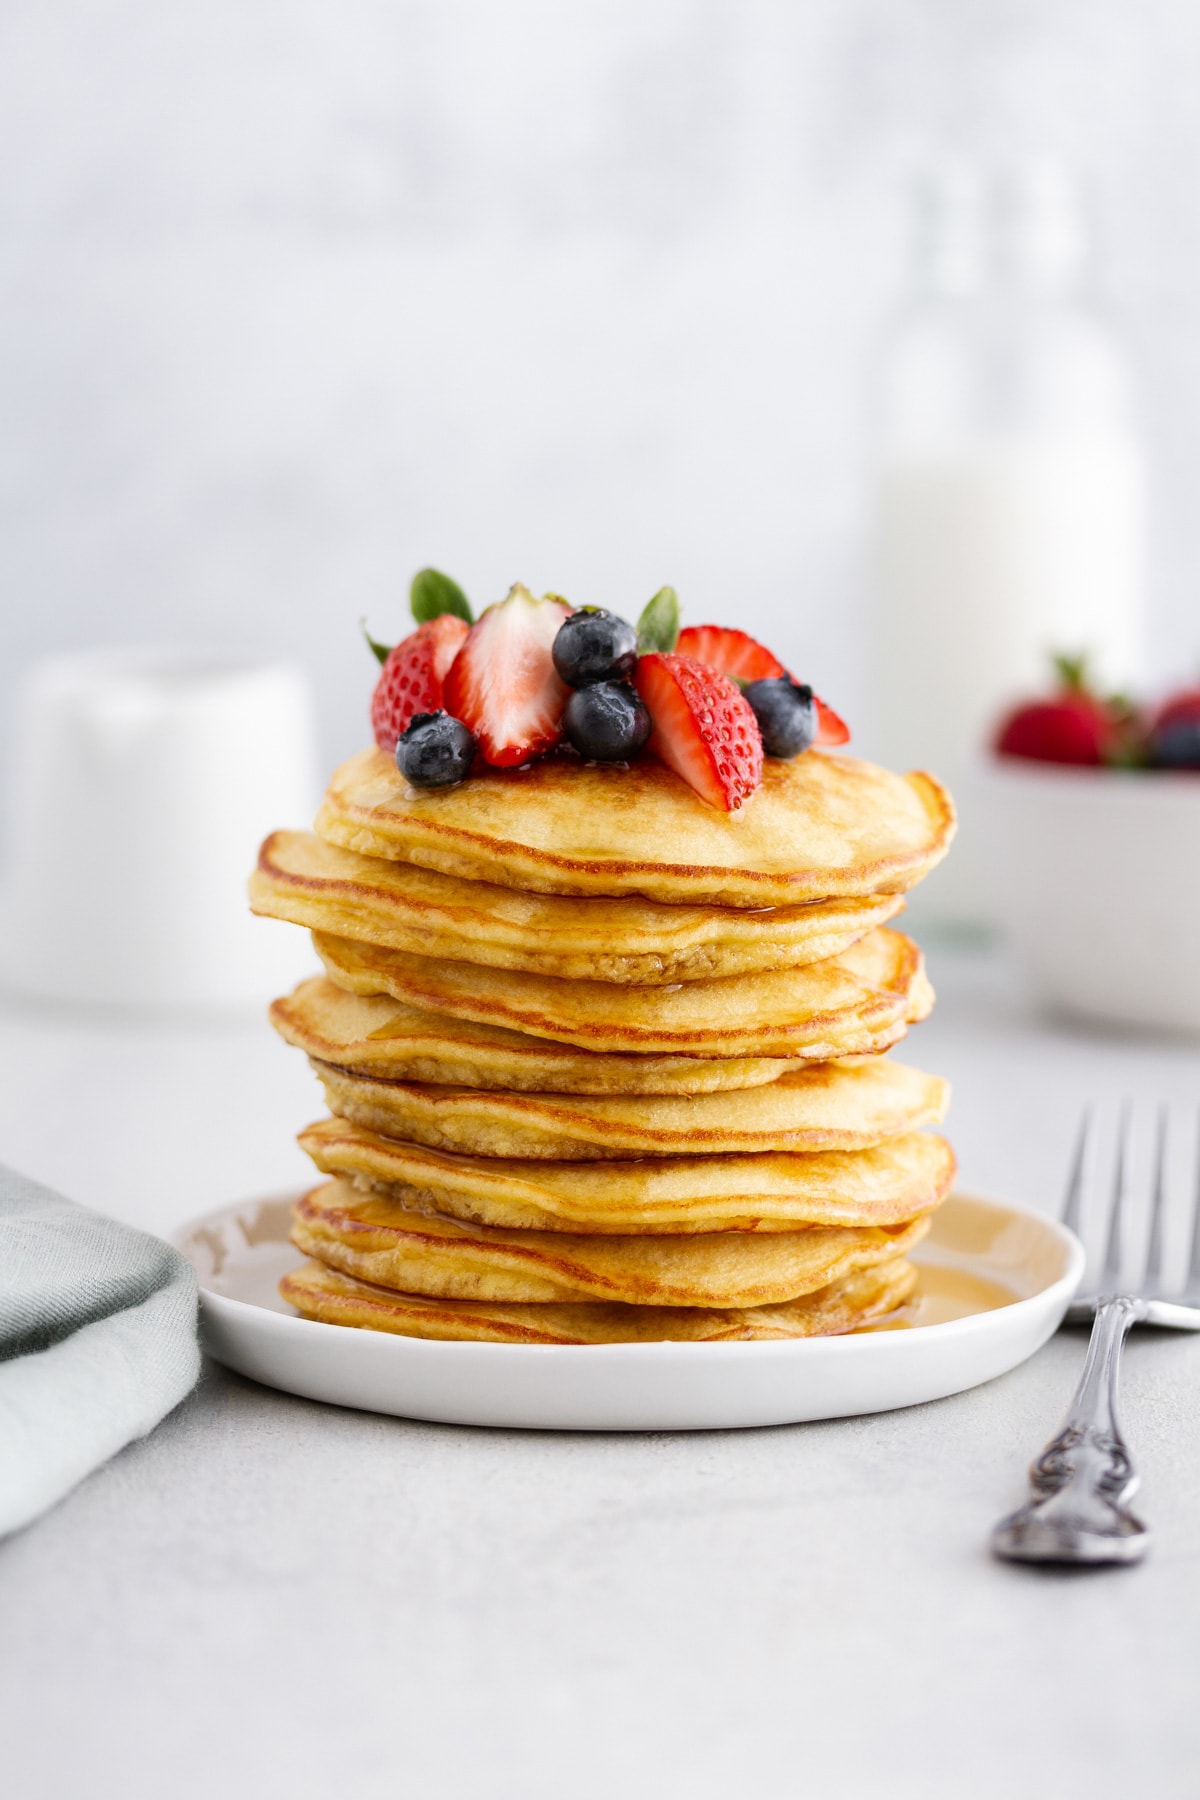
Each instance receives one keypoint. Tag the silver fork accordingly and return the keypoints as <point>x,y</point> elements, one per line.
<point>1085,1475</point>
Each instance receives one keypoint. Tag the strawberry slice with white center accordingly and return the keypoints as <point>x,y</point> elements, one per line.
<point>737,654</point>
<point>704,727</point>
<point>503,684</point>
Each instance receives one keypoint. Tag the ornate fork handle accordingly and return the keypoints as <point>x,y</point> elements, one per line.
<point>1084,1476</point>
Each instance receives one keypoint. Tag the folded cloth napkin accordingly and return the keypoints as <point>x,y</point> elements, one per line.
<point>97,1342</point>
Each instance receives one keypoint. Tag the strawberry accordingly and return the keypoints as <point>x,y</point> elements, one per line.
<point>412,677</point>
<point>1075,727</point>
<point>503,684</point>
<point>704,727</point>
<point>737,654</point>
<point>830,729</point>
<point>733,652</point>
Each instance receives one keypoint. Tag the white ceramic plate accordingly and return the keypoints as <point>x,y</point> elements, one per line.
<point>995,1283</point>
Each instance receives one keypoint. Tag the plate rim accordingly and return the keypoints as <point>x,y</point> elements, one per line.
<point>861,1343</point>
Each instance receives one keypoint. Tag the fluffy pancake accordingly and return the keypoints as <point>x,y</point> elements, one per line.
<point>849,1105</point>
<point>819,827</point>
<point>856,1003</point>
<point>375,1238</point>
<point>323,1294</point>
<point>375,1035</point>
<point>309,882</point>
<point>679,1194</point>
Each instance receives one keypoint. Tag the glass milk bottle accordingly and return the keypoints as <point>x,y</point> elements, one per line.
<point>1009,516</point>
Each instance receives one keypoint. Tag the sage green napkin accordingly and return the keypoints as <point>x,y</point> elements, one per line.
<point>97,1342</point>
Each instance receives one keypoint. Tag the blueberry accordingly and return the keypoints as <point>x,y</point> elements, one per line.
<point>434,750</point>
<point>594,645</point>
<point>1176,745</point>
<point>606,722</point>
<point>786,714</point>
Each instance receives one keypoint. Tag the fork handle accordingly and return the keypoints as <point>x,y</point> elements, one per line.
<point>1084,1476</point>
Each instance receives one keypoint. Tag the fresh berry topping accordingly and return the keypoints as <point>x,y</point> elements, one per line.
<point>786,714</point>
<point>434,750</point>
<point>503,684</point>
<point>704,728</point>
<point>737,654</point>
<point>733,652</point>
<point>411,678</point>
<point>830,729</point>
<point>594,645</point>
<point>1175,734</point>
<point>606,722</point>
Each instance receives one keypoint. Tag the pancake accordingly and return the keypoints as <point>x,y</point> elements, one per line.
<point>320,1293</point>
<point>767,1192</point>
<point>856,1003</point>
<point>377,1239</point>
<point>819,827</point>
<point>309,882</point>
<point>374,1035</point>
<point>849,1105</point>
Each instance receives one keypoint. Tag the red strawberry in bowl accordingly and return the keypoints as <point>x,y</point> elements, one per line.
<point>1075,727</point>
<point>503,684</point>
<point>737,654</point>
<point>412,677</point>
<point>704,727</point>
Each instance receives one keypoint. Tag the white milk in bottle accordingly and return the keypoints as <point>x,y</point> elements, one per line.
<point>1009,517</point>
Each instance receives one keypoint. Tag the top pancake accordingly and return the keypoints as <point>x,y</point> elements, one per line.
<point>303,879</point>
<point>820,827</point>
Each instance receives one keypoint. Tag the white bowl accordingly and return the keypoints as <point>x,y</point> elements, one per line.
<point>1096,876</point>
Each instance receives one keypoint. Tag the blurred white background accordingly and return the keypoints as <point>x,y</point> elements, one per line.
<point>297,297</point>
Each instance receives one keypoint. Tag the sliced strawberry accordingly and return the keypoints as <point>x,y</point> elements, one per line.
<point>412,676</point>
<point>737,654</point>
<point>731,652</point>
<point>704,727</point>
<point>503,684</point>
<point>830,729</point>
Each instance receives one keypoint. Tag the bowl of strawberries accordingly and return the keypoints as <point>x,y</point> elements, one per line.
<point>1093,814</point>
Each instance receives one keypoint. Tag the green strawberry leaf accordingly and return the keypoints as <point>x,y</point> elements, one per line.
<point>382,651</point>
<point>658,627</point>
<point>1072,672</point>
<point>433,594</point>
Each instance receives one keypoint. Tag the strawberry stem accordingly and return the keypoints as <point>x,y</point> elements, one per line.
<point>381,651</point>
<point>1071,672</point>
<point>431,594</point>
<point>658,627</point>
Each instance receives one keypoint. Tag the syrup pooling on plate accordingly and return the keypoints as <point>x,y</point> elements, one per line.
<point>943,1293</point>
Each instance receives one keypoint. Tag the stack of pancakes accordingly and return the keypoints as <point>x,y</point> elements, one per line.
<point>605,1064</point>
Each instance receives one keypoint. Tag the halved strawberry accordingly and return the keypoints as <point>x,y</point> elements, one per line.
<point>737,654</point>
<point>704,727</point>
<point>732,652</point>
<point>830,729</point>
<point>412,676</point>
<point>503,684</point>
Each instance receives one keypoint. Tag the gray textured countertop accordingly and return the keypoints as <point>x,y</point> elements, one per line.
<point>272,1597</point>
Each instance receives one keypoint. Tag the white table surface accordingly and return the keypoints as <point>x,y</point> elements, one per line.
<point>271,1597</point>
